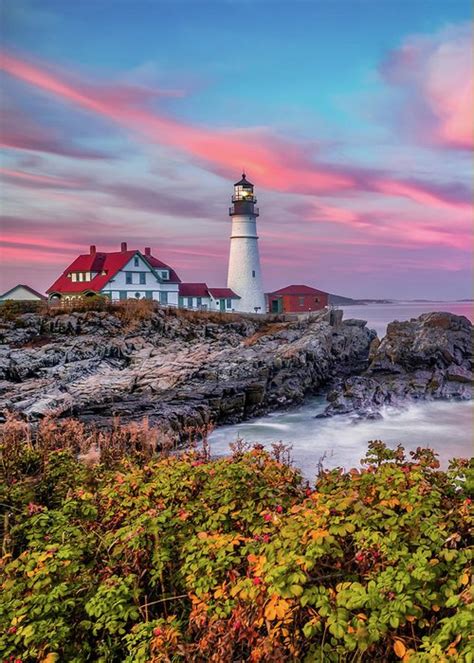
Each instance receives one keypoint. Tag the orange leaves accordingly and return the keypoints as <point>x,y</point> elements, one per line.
<point>464,579</point>
<point>220,591</point>
<point>50,658</point>
<point>257,563</point>
<point>399,648</point>
<point>319,534</point>
<point>391,502</point>
<point>276,608</point>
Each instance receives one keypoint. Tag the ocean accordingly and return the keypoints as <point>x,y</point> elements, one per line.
<point>379,315</point>
<point>446,427</point>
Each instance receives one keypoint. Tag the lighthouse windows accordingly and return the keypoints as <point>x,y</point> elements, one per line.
<point>253,273</point>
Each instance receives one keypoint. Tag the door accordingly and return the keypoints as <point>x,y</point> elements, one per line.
<point>222,305</point>
<point>276,306</point>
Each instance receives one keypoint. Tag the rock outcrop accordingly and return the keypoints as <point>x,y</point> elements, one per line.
<point>178,370</point>
<point>429,357</point>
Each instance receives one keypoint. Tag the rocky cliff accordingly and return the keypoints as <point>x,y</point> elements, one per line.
<point>429,357</point>
<point>179,370</point>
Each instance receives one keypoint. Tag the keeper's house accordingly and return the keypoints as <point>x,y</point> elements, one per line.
<point>131,274</point>
<point>296,299</point>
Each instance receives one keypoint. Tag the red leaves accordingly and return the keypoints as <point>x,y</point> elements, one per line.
<point>34,508</point>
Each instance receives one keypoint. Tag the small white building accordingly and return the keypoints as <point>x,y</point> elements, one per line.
<point>22,293</point>
<point>199,296</point>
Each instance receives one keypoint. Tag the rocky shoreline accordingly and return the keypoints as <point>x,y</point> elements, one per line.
<point>180,371</point>
<point>188,371</point>
<point>426,358</point>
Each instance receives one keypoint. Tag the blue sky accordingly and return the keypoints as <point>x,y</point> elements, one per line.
<point>360,90</point>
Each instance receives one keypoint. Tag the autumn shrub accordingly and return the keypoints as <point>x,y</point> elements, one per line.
<point>94,302</point>
<point>11,309</point>
<point>187,558</point>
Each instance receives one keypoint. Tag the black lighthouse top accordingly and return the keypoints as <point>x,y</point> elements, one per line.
<point>243,198</point>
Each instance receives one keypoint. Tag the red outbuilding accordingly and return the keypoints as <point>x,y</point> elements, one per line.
<point>296,299</point>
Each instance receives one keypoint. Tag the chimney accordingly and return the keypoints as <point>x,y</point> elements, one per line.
<point>147,251</point>
<point>92,250</point>
<point>123,247</point>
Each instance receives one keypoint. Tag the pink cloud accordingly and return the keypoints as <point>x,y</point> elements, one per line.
<point>276,163</point>
<point>21,177</point>
<point>436,75</point>
<point>425,194</point>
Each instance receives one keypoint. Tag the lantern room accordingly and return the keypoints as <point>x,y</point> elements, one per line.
<point>243,198</point>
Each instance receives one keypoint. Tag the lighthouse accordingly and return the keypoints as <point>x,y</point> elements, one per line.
<point>245,275</point>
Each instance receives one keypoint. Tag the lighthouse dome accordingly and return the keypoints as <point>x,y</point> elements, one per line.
<point>244,182</point>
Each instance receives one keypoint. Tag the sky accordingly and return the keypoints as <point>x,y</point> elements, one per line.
<point>130,120</point>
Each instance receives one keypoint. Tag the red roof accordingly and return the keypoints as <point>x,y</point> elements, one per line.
<point>223,292</point>
<point>298,290</point>
<point>110,263</point>
<point>193,290</point>
<point>157,264</point>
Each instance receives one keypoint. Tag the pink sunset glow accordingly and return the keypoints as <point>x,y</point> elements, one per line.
<point>65,191</point>
<point>438,73</point>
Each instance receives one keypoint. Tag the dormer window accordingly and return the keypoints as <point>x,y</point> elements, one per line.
<point>136,261</point>
<point>165,275</point>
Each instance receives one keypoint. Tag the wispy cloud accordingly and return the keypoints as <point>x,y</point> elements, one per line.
<point>277,163</point>
<point>21,132</point>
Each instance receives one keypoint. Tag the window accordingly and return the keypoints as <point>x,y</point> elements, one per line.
<point>142,278</point>
<point>74,277</point>
<point>229,303</point>
<point>316,299</point>
<point>181,301</point>
<point>149,294</point>
<point>190,302</point>
<point>163,297</point>
<point>301,301</point>
<point>136,261</point>
<point>165,275</point>
<point>122,294</point>
<point>137,295</point>
<point>253,273</point>
<point>198,302</point>
<point>128,277</point>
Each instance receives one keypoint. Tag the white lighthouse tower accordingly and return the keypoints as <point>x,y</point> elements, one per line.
<point>245,275</point>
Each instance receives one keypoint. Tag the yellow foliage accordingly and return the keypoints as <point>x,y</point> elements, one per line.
<point>50,658</point>
<point>276,608</point>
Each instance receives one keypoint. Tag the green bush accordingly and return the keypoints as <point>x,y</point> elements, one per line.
<point>182,558</point>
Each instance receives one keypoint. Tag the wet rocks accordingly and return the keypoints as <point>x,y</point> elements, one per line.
<point>429,357</point>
